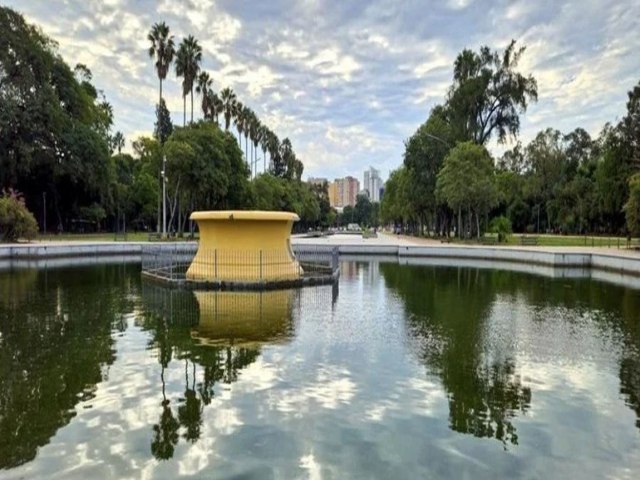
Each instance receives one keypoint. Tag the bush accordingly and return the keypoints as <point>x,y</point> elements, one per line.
<point>501,226</point>
<point>16,221</point>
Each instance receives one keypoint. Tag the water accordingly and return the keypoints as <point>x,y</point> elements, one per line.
<point>401,372</point>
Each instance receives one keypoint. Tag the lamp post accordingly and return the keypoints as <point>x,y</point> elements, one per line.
<point>44,212</point>
<point>164,196</point>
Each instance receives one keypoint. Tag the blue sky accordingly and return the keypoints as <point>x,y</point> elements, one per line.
<point>349,81</point>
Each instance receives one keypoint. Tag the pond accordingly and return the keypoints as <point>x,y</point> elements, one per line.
<point>399,371</point>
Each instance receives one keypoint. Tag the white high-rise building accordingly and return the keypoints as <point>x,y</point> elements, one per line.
<point>372,184</point>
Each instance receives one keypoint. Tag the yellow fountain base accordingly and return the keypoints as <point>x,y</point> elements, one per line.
<point>244,246</point>
<point>246,319</point>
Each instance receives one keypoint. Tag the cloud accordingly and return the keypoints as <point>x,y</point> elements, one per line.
<point>348,82</point>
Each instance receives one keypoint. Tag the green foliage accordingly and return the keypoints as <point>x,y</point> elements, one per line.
<point>16,221</point>
<point>279,194</point>
<point>423,158</point>
<point>93,213</point>
<point>488,95</point>
<point>467,182</point>
<point>631,125</point>
<point>205,171</point>
<point>502,226</point>
<point>163,128</point>
<point>632,207</point>
<point>55,127</point>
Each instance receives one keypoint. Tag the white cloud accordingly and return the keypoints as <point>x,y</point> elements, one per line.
<point>370,71</point>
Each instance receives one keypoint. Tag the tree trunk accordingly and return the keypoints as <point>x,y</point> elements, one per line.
<point>184,110</point>
<point>478,224</point>
<point>460,222</point>
<point>191,104</point>
<point>160,99</point>
<point>159,202</point>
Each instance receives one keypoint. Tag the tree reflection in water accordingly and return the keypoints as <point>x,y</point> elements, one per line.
<point>484,392</point>
<point>55,346</point>
<point>217,335</point>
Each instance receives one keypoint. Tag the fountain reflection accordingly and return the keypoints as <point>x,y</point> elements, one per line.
<point>216,335</point>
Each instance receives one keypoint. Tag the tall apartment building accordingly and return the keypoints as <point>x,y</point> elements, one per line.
<point>345,190</point>
<point>372,184</point>
<point>332,194</point>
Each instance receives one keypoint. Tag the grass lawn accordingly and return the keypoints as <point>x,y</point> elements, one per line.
<point>574,241</point>
<point>99,237</point>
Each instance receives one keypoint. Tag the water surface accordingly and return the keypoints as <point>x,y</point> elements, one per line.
<point>398,372</point>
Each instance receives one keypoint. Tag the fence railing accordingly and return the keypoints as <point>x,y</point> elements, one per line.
<point>181,263</point>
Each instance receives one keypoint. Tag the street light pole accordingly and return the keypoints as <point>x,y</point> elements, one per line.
<point>44,212</point>
<point>164,196</point>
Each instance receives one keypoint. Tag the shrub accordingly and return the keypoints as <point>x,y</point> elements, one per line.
<point>16,221</point>
<point>502,226</point>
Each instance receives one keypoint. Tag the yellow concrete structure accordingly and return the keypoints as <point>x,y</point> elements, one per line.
<point>247,319</point>
<point>244,246</point>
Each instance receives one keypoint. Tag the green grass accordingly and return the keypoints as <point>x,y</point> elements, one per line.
<point>98,237</point>
<point>574,241</point>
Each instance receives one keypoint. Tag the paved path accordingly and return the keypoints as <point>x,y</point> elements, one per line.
<point>385,239</point>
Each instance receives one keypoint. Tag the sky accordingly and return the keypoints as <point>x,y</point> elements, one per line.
<point>349,81</point>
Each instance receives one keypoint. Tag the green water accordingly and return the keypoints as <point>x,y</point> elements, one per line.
<point>401,372</point>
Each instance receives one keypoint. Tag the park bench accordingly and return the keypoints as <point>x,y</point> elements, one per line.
<point>154,237</point>
<point>524,240</point>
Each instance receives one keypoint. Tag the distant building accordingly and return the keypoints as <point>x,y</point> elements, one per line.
<point>317,180</point>
<point>343,191</point>
<point>332,194</point>
<point>353,187</point>
<point>372,184</point>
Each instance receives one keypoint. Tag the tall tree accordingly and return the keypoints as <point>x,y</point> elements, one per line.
<point>632,207</point>
<point>162,49</point>
<point>467,182</point>
<point>631,125</point>
<point>163,126</point>
<point>256,137</point>
<point>238,118</point>
<point>117,142</point>
<point>265,135</point>
<point>247,118</point>
<point>203,88</point>
<point>229,99</point>
<point>181,68</point>
<point>216,106</point>
<point>188,66</point>
<point>488,95</point>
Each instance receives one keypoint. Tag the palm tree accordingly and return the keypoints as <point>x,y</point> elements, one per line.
<point>274,150</point>
<point>264,143</point>
<point>188,66</point>
<point>216,106</point>
<point>238,118</point>
<point>255,132</point>
<point>203,88</point>
<point>181,68</point>
<point>163,49</point>
<point>247,113</point>
<point>118,141</point>
<point>229,100</point>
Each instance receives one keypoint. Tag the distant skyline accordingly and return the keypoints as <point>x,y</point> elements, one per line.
<point>348,82</point>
